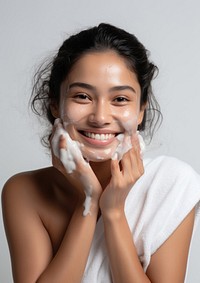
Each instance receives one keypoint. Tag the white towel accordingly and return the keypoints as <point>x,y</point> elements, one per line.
<point>155,206</point>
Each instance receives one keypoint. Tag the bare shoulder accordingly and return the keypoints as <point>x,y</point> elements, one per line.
<point>36,192</point>
<point>25,198</point>
<point>38,197</point>
<point>26,186</point>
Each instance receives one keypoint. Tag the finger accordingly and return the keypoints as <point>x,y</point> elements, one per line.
<point>115,169</point>
<point>62,142</point>
<point>137,147</point>
<point>138,155</point>
<point>129,159</point>
<point>132,164</point>
<point>129,164</point>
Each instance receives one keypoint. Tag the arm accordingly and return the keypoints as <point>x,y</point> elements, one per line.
<point>29,242</point>
<point>69,263</point>
<point>124,263</point>
<point>168,264</point>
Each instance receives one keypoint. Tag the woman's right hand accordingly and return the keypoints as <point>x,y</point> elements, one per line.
<point>68,159</point>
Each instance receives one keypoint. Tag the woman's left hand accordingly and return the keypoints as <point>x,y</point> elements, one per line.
<point>124,175</point>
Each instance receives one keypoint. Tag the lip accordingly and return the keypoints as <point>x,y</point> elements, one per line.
<point>98,142</point>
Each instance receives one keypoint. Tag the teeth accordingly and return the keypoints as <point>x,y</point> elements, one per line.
<point>101,137</point>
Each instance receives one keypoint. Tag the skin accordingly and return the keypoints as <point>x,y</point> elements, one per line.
<point>49,239</point>
<point>103,100</point>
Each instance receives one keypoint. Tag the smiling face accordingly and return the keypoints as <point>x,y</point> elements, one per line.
<point>100,99</point>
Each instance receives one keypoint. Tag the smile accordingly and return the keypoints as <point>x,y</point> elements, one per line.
<point>100,137</point>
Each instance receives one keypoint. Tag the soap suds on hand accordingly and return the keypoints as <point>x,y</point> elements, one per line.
<point>69,156</point>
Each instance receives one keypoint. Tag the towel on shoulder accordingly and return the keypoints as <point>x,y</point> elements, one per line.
<point>155,206</point>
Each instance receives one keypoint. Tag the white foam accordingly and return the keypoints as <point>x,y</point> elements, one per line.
<point>69,157</point>
<point>87,205</point>
<point>142,143</point>
<point>125,144</point>
<point>72,154</point>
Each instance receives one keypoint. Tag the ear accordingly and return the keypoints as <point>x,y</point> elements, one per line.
<point>54,109</point>
<point>141,113</point>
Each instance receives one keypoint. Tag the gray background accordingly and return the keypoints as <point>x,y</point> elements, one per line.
<point>30,30</point>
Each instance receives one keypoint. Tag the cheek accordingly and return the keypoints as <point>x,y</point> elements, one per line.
<point>72,114</point>
<point>128,120</point>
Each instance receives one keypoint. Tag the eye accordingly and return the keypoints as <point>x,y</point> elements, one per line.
<point>82,98</point>
<point>121,99</point>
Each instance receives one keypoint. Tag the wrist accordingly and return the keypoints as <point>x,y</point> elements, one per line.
<point>88,205</point>
<point>113,214</point>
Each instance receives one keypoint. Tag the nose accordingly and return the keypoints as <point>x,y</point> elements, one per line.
<point>101,114</point>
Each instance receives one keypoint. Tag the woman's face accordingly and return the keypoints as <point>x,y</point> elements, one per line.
<point>100,99</point>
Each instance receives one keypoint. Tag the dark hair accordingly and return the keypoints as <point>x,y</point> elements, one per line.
<point>48,79</point>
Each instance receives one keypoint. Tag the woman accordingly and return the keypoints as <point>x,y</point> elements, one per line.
<point>101,213</point>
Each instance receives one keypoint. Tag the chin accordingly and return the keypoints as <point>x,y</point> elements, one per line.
<point>97,159</point>
<point>97,155</point>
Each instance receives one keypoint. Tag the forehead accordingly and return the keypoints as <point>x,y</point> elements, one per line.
<point>99,68</point>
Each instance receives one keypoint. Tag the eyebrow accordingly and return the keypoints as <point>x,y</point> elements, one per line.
<point>83,85</point>
<point>92,88</point>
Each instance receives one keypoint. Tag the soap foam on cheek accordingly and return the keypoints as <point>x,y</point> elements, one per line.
<point>69,156</point>
<point>68,117</point>
<point>124,146</point>
<point>72,153</point>
<point>129,124</point>
<point>90,154</point>
<point>125,140</point>
<point>131,128</point>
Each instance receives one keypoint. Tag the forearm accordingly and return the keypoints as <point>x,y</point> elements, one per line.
<point>69,263</point>
<point>124,262</point>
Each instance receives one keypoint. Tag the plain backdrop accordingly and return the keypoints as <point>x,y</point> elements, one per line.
<point>31,29</point>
